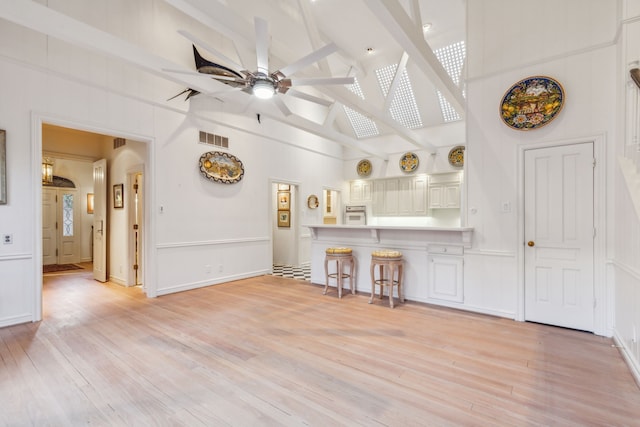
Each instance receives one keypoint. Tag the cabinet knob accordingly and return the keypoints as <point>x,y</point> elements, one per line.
<point>444,250</point>
<point>530,243</point>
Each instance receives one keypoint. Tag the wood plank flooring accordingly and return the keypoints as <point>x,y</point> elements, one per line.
<point>271,351</point>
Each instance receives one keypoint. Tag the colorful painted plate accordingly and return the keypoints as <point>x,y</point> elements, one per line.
<point>221,167</point>
<point>456,156</point>
<point>532,103</point>
<point>364,167</point>
<point>409,162</point>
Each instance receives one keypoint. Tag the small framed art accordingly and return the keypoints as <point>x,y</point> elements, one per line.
<point>284,218</point>
<point>118,196</point>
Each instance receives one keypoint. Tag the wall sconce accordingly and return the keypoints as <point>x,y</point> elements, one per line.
<point>89,203</point>
<point>47,170</point>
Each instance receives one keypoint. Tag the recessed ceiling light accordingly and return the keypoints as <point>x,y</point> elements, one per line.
<point>426,27</point>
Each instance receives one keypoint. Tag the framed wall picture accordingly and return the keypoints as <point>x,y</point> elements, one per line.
<point>284,198</point>
<point>284,218</point>
<point>118,196</point>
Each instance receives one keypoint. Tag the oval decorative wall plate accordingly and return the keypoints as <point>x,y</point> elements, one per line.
<point>221,167</point>
<point>456,156</point>
<point>364,168</point>
<point>409,162</point>
<point>532,103</point>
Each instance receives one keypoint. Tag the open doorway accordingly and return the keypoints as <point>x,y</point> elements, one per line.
<point>72,153</point>
<point>288,257</point>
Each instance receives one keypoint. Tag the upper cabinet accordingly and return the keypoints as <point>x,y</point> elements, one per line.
<point>360,191</point>
<point>444,190</point>
<point>406,196</point>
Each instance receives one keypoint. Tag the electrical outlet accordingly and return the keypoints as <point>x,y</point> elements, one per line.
<point>220,268</point>
<point>207,268</point>
<point>506,207</point>
<point>7,239</point>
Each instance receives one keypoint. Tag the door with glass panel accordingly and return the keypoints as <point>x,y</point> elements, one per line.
<point>60,240</point>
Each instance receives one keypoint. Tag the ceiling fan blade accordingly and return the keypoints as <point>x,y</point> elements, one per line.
<point>309,59</point>
<point>281,106</point>
<point>262,45</point>
<point>311,98</point>
<point>322,81</point>
<point>195,73</point>
<point>211,49</point>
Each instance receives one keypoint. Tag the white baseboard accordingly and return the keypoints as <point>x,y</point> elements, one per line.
<point>634,365</point>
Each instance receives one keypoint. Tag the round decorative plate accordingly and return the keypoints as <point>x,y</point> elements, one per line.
<point>456,156</point>
<point>312,201</point>
<point>364,167</point>
<point>221,167</point>
<point>409,162</point>
<point>532,103</point>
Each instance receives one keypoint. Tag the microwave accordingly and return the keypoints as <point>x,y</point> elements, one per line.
<point>355,215</point>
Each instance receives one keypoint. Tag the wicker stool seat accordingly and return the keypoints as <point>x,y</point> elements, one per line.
<point>342,257</point>
<point>390,265</point>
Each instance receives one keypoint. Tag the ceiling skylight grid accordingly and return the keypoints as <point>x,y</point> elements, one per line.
<point>452,59</point>
<point>355,88</point>
<point>403,107</point>
<point>362,125</point>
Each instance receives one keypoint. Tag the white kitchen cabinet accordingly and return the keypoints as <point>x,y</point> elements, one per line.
<point>360,191</point>
<point>444,191</point>
<point>446,274</point>
<point>406,196</point>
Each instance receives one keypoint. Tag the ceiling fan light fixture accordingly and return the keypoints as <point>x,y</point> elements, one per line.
<point>263,89</point>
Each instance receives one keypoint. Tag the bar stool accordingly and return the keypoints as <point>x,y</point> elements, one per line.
<point>389,263</point>
<point>342,257</point>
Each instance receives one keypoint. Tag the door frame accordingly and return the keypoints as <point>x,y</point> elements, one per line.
<point>37,120</point>
<point>603,294</point>
<point>272,214</point>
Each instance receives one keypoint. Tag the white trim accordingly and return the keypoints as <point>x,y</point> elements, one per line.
<point>634,273</point>
<point>604,304</point>
<point>211,242</point>
<point>209,282</point>
<point>484,252</point>
<point>15,256</point>
<point>149,253</point>
<point>626,353</point>
<point>15,320</point>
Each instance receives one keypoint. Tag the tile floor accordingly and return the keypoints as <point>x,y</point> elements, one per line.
<point>293,272</point>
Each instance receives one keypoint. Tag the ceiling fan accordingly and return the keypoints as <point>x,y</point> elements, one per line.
<point>262,83</point>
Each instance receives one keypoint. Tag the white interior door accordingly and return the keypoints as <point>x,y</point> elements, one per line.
<point>100,220</point>
<point>49,232</point>
<point>559,233</point>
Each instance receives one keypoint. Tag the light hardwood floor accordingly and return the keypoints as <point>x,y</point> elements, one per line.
<point>275,351</point>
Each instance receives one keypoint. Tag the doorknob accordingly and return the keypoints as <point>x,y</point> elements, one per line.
<point>530,243</point>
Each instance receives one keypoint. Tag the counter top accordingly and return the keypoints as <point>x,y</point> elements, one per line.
<point>460,234</point>
<point>389,227</point>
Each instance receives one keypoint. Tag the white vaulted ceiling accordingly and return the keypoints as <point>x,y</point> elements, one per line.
<point>392,28</point>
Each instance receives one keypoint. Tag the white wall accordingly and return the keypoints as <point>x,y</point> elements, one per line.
<point>624,250</point>
<point>192,223</point>
<point>575,44</point>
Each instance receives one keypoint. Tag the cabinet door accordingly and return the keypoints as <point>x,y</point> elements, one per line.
<point>391,194</point>
<point>445,278</point>
<point>451,196</point>
<point>378,198</point>
<point>366,191</point>
<point>435,196</point>
<point>355,191</point>
<point>405,196</point>
<point>420,196</point>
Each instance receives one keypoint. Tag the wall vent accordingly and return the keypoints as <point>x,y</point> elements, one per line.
<point>119,142</point>
<point>211,139</point>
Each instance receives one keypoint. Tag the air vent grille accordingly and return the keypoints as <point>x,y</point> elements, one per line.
<point>212,139</point>
<point>119,142</point>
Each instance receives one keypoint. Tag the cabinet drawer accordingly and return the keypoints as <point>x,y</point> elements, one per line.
<point>445,249</point>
